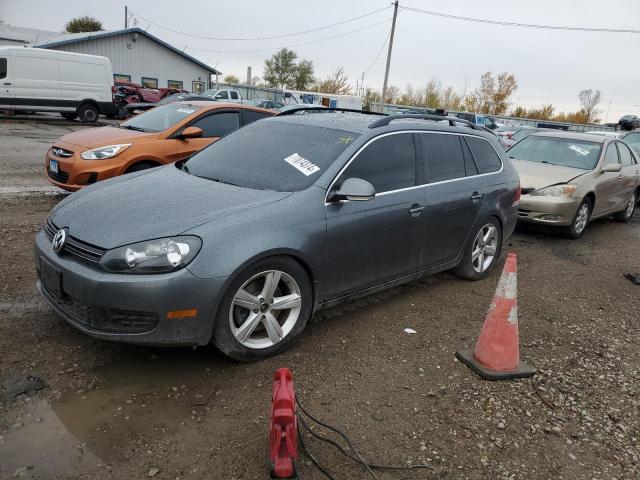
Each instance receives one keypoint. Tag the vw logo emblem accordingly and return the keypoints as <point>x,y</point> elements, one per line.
<point>59,240</point>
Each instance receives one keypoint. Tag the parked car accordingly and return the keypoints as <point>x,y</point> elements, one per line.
<point>223,95</point>
<point>127,93</point>
<point>569,179</point>
<point>629,122</point>
<point>139,107</point>
<point>605,133</point>
<point>509,141</point>
<point>242,243</point>
<point>159,136</point>
<point>478,119</point>
<point>633,140</point>
<point>264,103</point>
<point>74,84</point>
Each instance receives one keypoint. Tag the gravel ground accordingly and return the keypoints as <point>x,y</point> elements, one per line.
<point>114,411</point>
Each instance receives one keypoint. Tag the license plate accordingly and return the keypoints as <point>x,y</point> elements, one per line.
<point>53,166</point>
<point>51,277</point>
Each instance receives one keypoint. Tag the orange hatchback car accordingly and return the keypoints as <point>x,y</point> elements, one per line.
<point>164,134</point>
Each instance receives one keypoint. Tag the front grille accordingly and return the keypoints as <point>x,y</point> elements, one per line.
<point>101,319</point>
<point>74,247</point>
<point>61,152</point>
<point>60,176</point>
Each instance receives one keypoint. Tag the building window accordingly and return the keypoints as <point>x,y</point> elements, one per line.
<point>174,85</point>
<point>118,77</point>
<point>149,82</point>
<point>198,87</point>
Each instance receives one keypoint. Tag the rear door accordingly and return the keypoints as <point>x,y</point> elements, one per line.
<point>455,195</point>
<point>6,88</point>
<point>629,170</point>
<point>609,188</point>
<point>214,125</point>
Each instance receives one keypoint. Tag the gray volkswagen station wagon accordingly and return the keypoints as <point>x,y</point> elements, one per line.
<point>242,243</point>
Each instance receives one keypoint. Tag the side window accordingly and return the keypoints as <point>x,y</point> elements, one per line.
<point>218,124</point>
<point>388,163</point>
<point>486,157</point>
<point>3,68</point>
<point>443,156</point>
<point>234,95</point>
<point>633,140</point>
<point>470,166</point>
<point>252,116</point>
<point>223,95</point>
<point>611,155</point>
<point>626,158</point>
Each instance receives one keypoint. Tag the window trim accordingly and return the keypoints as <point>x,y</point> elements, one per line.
<point>193,84</point>
<point>216,111</point>
<point>121,75</point>
<point>175,81</point>
<point>142,79</point>
<point>434,132</point>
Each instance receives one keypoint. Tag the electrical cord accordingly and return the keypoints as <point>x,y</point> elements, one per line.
<point>313,459</point>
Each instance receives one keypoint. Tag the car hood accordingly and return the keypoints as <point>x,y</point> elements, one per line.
<point>155,203</point>
<point>103,136</point>
<point>538,175</point>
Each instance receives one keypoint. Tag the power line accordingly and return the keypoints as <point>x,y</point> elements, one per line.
<point>295,44</point>
<point>516,24</point>
<point>378,55</point>
<point>260,38</point>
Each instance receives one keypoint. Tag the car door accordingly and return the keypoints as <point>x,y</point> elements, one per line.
<point>6,89</point>
<point>455,195</point>
<point>609,184</point>
<point>214,125</point>
<point>630,171</point>
<point>375,241</point>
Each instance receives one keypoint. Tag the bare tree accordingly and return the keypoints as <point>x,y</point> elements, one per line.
<point>589,100</point>
<point>337,82</point>
<point>506,85</point>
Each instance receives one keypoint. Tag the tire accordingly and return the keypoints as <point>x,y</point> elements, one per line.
<point>261,338</point>
<point>580,222</point>
<point>138,167</point>
<point>88,113</point>
<point>69,115</point>
<point>121,113</point>
<point>626,214</point>
<point>479,251</point>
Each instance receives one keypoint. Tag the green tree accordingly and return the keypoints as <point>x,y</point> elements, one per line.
<point>231,79</point>
<point>83,24</point>
<point>281,70</point>
<point>304,78</point>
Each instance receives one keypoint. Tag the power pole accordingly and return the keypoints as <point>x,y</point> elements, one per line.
<point>386,71</point>
<point>126,17</point>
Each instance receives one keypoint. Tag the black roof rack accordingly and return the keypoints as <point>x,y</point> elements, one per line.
<point>452,120</point>
<point>318,109</point>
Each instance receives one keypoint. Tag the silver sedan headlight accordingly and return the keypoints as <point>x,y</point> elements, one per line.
<point>154,256</point>
<point>556,191</point>
<point>102,153</point>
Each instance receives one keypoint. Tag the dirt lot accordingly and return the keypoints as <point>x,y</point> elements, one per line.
<point>113,411</point>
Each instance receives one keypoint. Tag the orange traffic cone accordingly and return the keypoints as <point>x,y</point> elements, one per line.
<point>497,353</point>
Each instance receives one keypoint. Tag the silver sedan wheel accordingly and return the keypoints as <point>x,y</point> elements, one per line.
<point>265,309</point>
<point>485,247</point>
<point>582,217</point>
<point>631,206</point>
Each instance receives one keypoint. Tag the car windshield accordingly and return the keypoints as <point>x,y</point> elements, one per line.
<point>271,155</point>
<point>565,152</point>
<point>522,133</point>
<point>160,118</point>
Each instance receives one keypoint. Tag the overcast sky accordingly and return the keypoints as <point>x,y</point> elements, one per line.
<point>551,66</point>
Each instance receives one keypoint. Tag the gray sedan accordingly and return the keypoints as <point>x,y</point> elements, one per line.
<point>241,244</point>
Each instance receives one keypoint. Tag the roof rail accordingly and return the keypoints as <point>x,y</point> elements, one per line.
<point>317,109</point>
<point>452,120</point>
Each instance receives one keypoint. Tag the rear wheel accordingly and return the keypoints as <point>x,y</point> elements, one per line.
<point>626,214</point>
<point>580,221</point>
<point>264,310</point>
<point>88,113</point>
<point>481,253</point>
<point>69,115</point>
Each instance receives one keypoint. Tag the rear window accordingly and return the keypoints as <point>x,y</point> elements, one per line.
<point>160,118</point>
<point>485,156</point>
<point>565,152</point>
<point>271,155</point>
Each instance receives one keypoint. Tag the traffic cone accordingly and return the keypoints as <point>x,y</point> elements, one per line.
<point>497,353</point>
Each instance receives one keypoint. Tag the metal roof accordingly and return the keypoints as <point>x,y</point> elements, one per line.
<point>69,38</point>
<point>22,34</point>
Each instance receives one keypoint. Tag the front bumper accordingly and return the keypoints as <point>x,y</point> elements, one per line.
<point>559,211</point>
<point>130,308</point>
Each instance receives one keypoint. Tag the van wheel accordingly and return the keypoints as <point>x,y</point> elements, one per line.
<point>482,251</point>
<point>69,115</point>
<point>88,113</point>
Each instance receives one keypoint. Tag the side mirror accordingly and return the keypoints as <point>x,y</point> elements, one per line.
<point>190,132</point>
<point>354,189</point>
<point>611,167</point>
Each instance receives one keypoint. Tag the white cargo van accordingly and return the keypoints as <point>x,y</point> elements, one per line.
<point>73,84</point>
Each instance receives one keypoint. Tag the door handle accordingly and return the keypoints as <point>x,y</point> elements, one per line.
<point>476,197</point>
<point>416,210</point>
<point>7,83</point>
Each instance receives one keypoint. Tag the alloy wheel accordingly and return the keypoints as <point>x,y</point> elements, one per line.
<point>265,309</point>
<point>485,247</point>
<point>582,217</point>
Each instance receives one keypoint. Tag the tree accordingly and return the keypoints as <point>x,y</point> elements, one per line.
<point>392,94</point>
<point>231,79</point>
<point>337,82</point>
<point>304,75</point>
<point>506,85</point>
<point>280,70</point>
<point>83,24</point>
<point>433,93</point>
<point>589,100</point>
<point>370,97</point>
<point>519,112</point>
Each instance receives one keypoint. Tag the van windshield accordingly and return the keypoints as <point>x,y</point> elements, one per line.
<point>566,152</point>
<point>160,118</point>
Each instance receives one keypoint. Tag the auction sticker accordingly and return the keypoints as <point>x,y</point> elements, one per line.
<point>302,164</point>
<point>185,110</point>
<point>580,150</point>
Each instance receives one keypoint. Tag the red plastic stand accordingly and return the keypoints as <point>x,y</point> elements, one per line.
<point>284,426</point>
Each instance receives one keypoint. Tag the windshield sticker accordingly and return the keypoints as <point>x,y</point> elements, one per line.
<point>185,110</point>
<point>345,140</point>
<point>302,164</point>
<point>580,150</point>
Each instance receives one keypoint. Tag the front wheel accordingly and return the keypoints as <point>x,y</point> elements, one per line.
<point>264,310</point>
<point>626,214</point>
<point>580,221</point>
<point>481,253</point>
<point>88,113</point>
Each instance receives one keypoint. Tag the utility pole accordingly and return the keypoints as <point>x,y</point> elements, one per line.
<point>126,17</point>
<point>386,71</point>
<point>607,117</point>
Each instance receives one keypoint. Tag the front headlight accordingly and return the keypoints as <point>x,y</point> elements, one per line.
<point>556,191</point>
<point>154,256</point>
<point>101,153</point>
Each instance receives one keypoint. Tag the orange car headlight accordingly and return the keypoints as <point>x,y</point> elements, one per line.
<point>102,153</point>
